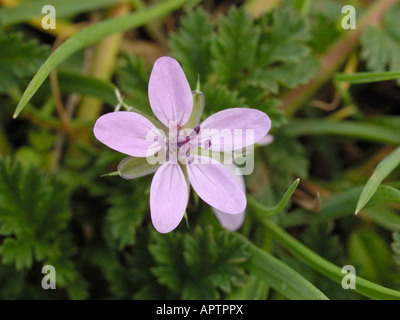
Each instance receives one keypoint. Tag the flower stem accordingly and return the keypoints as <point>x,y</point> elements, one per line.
<point>319,264</point>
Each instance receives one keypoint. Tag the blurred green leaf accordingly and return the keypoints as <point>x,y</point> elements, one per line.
<point>125,215</point>
<point>18,251</point>
<point>383,169</point>
<point>32,9</point>
<point>281,277</point>
<point>90,35</point>
<point>396,245</point>
<point>234,46</point>
<point>288,75</point>
<point>19,59</point>
<point>367,288</point>
<point>191,45</point>
<point>218,98</point>
<point>253,289</point>
<point>34,214</point>
<point>370,255</point>
<point>285,32</point>
<point>366,77</point>
<point>133,78</point>
<point>288,160</point>
<point>271,211</point>
<point>198,266</point>
<point>72,82</point>
<point>351,129</point>
<point>381,44</point>
<point>343,204</point>
<point>29,201</point>
<point>384,195</point>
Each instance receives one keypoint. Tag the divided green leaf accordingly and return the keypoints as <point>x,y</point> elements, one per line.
<point>381,45</point>
<point>19,59</point>
<point>191,45</point>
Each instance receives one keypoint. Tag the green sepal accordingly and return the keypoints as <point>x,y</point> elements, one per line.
<point>198,107</point>
<point>133,167</point>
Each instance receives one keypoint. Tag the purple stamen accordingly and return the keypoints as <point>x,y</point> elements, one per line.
<point>190,159</point>
<point>196,130</point>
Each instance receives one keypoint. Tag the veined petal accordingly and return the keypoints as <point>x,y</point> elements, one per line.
<point>168,197</point>
<point>128,132</point>
<point>233,129</point>
<point>216,186</point>
<point>231,221</point>
<point>169,92</point>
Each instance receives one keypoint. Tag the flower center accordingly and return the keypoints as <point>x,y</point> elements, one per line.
<point>187,140</point>
<point>183,138</point>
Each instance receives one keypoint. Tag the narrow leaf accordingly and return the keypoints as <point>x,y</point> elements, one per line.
<point>352,129</point>
<point>384,168</point>
<point>366,77</point>
<point>319,264</point>
<point>271,211</point>
<point>90,35</point>
<point>281,277</point>
<point>32,9</point>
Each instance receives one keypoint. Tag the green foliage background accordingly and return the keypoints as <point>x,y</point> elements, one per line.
<point>55,208</point>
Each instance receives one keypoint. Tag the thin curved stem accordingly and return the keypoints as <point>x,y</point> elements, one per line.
<point>319,264</point>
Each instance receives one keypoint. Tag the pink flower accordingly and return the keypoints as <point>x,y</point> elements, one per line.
<point>171,100</point>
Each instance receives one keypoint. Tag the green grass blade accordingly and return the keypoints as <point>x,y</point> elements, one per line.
<point>253,289</point>
<point>366,77</point>
<point>343,204</point>
<point>90,35</point>
<point>71,82</point>
<point>271,211</point>
<point>280,276</point>
<point>351,129</point>
<point>383,169</point>
<point>384,216</point>
<point>33,9</point>
<point>319,264</point>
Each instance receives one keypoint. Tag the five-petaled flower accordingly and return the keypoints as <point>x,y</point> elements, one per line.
<point>217,184</point>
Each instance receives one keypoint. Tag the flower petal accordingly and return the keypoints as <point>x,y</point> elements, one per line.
<point>168,197</point>
<point>266,140</point>
<point>235,128</point>
<point>231,221</point>
<point>215,185</point>
<point>126,132</point>
<point>169,92</point>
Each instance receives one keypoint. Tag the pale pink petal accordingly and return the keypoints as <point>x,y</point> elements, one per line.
<point>235,128</point>
<point>266,140</point>
<point>169,92</point>
<point>231,221</point>
<point>216,186</point>
<point>168,197</point>
<point>126,132</point>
